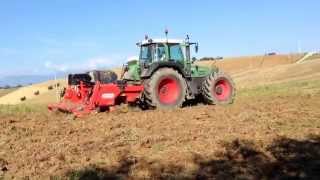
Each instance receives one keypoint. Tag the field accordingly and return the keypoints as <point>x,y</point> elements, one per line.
<point>13,98</point>
<point>236,66</point>
<point>4,92</point>
<point>272,131</point>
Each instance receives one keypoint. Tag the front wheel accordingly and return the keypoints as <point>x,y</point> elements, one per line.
<point>218,88</point>
<point>166,88</point>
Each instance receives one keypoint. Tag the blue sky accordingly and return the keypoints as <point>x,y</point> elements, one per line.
<point>39,36</point>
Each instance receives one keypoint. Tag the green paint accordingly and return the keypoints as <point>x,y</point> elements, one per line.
<point>167,51</point>
<point>134,70</point>
<point>200,71</point>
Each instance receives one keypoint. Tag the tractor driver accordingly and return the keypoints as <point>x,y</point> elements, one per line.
<point>160,53</point>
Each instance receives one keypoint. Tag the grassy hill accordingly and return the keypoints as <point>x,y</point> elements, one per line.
<point>28,92</point>
<point>240,64</point>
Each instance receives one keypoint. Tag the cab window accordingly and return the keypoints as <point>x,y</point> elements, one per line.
<point>175,52</point>
<point>146,54</point>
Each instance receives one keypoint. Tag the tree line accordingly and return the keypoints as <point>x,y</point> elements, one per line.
<point>9,87</point>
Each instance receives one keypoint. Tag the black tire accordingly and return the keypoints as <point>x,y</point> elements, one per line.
<point>218,89</point>
<point>165,89</point>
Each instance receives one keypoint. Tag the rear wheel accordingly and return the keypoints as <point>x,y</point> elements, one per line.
<point>218,88</point>
<point>165,89</point>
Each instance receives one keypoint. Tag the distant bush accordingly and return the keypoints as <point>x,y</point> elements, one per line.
<point>6,87</point>
<point>207,59</point>
<point>271,54</point>
<point>211,58</point>
<point>23,98</point>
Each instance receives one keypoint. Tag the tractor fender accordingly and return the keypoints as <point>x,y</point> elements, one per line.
<point>146,73</point>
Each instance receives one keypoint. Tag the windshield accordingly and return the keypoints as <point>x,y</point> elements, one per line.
<point>146,53</point>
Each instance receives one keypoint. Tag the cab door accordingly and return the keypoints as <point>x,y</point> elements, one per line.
<point>176,55</point>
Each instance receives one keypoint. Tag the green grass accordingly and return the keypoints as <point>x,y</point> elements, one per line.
<point>287,88</point>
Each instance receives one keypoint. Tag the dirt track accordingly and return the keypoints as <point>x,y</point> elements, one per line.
<point>247,139</point>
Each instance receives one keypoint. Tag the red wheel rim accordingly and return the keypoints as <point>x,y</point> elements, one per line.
<point>168,91</point>
<point>222,90</point>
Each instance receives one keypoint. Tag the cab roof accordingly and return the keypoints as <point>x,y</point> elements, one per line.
<point>152,41</point>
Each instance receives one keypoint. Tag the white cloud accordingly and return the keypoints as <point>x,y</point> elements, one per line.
<point>100,62</point>
<point>90,64</point>
<point>56,67</point>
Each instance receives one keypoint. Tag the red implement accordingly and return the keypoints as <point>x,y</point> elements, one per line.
<point>84,98</point>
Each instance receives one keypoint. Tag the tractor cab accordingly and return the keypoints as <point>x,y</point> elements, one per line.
<point>158,53</point>
<point>155,50</point>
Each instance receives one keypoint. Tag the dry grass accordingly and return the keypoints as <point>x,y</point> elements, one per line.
<point>28,91</point>
<point>234,66</point>
<point>4,92</point>
<point>242,64</point>
<point>309,70</point>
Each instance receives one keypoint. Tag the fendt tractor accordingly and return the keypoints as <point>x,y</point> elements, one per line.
<point>164,76</point>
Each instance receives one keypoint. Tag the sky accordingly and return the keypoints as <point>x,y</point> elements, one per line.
<point>40,37</point>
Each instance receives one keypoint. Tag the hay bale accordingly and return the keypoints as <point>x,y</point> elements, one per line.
<point>23,98</point>
<point>36,93</point>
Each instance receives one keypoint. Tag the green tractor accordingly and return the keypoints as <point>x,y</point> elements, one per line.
<point>170,77</point>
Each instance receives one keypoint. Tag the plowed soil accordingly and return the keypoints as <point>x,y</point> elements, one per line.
<point>269,132</point>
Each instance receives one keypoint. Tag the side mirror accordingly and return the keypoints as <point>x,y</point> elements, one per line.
<point>193,59</point>
<point>196,47</point>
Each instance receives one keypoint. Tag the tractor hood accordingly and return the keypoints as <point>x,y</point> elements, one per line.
<point>201,71</point>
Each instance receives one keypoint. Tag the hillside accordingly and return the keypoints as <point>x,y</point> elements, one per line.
<point>238,67</point>
<point>309,70</point>
<point>6,91</point>
<point>271,131</point>
<point>28,91</point>
<point>240,64</point>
